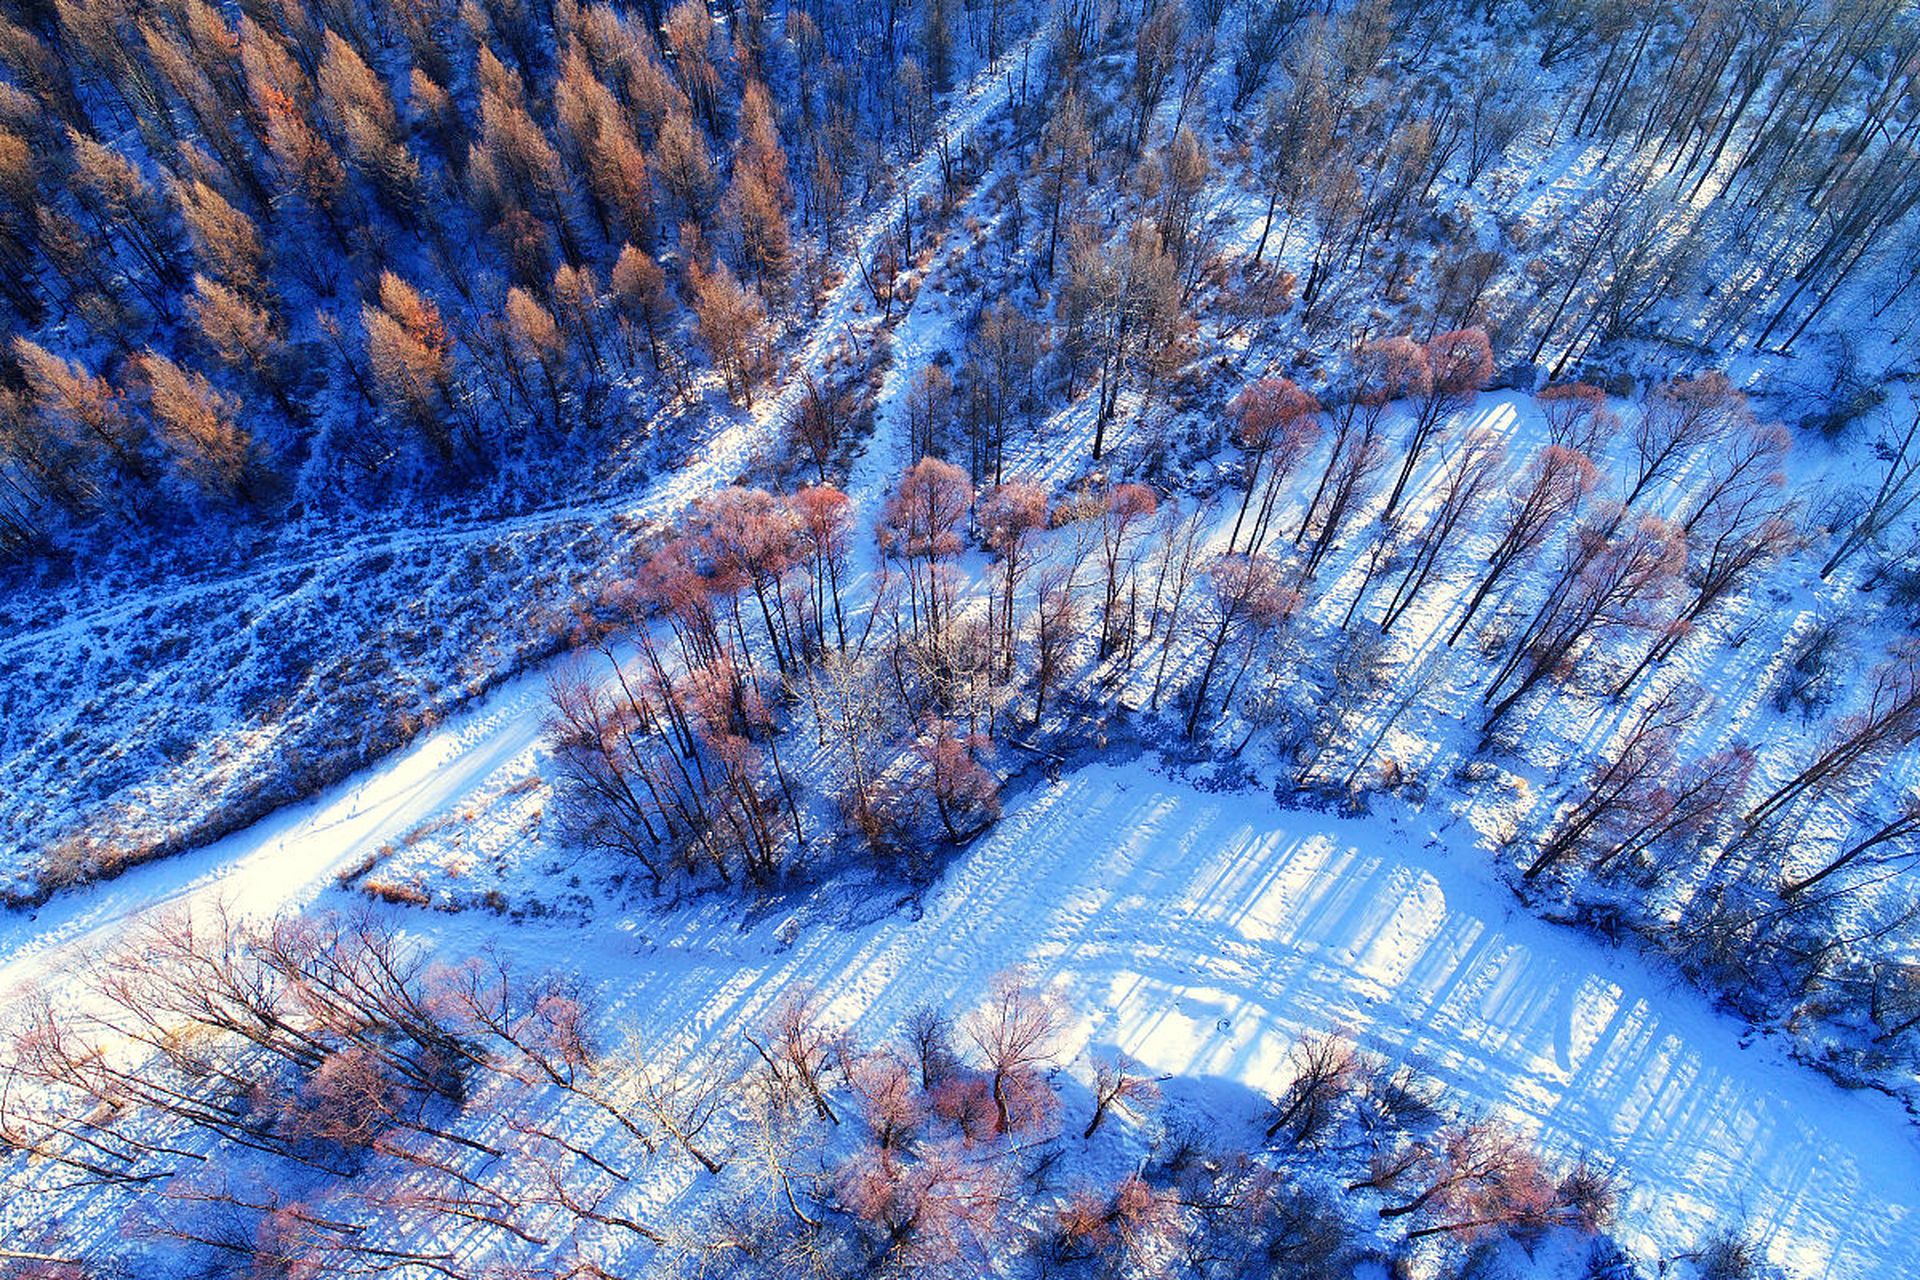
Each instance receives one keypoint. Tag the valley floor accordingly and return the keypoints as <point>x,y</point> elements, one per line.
<point>1198,931</point>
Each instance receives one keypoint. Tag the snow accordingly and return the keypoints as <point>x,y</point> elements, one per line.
<point>1202,933</point>
<point>1198,932</point>
<point>285,861</point>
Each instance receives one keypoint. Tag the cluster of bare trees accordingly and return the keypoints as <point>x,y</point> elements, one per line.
<point>1759,149</point>
<point>303,1096</point>
<point>317,1095</point>
<point>946,1140</point>
<point>917,692</point>
<point>1588,564</point>
<point>671,754</point>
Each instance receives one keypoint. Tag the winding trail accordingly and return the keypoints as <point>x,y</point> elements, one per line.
<point>1202,933</point>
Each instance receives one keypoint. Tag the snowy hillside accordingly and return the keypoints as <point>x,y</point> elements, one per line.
<point>1090,638</point>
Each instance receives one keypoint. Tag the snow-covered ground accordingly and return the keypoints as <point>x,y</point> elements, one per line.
<point>66,648</point>
<point>1198,931</point>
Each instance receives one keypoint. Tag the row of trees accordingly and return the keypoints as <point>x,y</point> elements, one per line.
<point>1629,564</point>
<point>316,1095</point>
<point>1761,148</point>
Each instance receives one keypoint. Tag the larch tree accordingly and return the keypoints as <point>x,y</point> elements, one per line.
<point>1156,54</point>
<point>604,147</point>
<point>1296,134</point>
<point>683,166</point>
<point>361,107</point>
<point>929,409</point>
<point>641,298</point>
<point>535,340</point>
<point>125,206</point>
<point>245,336</point>
<point>411,355</point>
<point>731,321</point>
<point>20,203</point>
<point>85,411</point>
<point>225,241</point>
<point>1066,149</point>
<point>199,427</point>
<point>761,195</point>
<point>1003,352</point>
<point>514,169</point>
<point>1122,308</point>
<point>689,38</point>
<point>1184,168</point>
<point>1458,366</point>
<point>578,305</point>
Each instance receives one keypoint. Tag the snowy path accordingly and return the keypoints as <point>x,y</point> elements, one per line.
<point>1202,933</point>
<point>283,862</point>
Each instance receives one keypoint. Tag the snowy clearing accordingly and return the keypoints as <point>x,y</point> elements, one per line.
<point>1203,932</point>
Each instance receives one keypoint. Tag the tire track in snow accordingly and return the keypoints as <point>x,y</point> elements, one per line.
<point>1202,933</point>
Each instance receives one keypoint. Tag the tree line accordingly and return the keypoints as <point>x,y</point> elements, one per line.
<point>741,674</point>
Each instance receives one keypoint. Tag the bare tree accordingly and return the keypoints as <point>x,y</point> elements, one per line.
<point>1458,366</point>
<point>1248,597</point>
<point>1276,425</point>
<point>1015,1032</point>
<point>1627,782</point>
<point>1551,489</point>
<point>1325,1068</point>
<point>1118,1084</point>
<point>1889,721</point>
<point>1679,419</point>
<point>1899,828</point>
<point>1465,487</point>
<point>1891,499</point>
<point>1609,578</point>
<point>1011,514</point>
